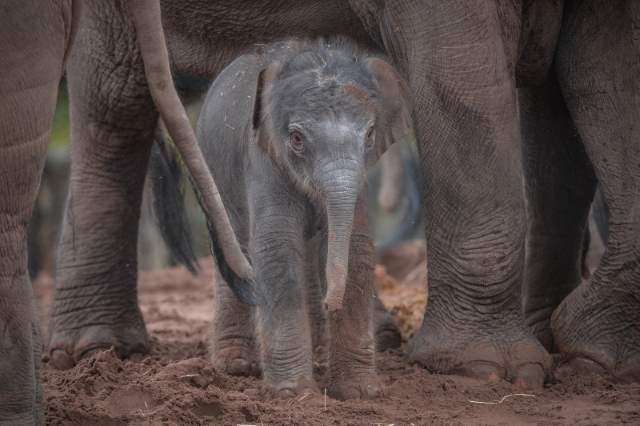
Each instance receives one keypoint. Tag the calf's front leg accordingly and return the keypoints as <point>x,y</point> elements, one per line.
<point>352,352</point>
<point>277,251</point>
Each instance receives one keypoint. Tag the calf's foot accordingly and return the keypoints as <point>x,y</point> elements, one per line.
<point>360,385</point>
<point>292,388</point>
<point>352,372</point>
<point>235,356</point>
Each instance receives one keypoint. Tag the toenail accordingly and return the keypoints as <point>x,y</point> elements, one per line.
<point>484,371</point>
<point>529,376</point>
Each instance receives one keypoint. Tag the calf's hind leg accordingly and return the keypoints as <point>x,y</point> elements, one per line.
<point>232,344</point>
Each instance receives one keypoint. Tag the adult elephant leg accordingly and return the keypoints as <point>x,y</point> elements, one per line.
<point>460,66</point>
<point>113,121</point>
<point>25,119</point>
<point>352,351</point>
<point>560,185</point>
<point>33,40</point>
<point>598,64</point>
<point>233,344</point>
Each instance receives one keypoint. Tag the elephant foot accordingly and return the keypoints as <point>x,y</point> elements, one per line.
<point>505,354</point>
<point>68,347</point>
<point>353,374</point>
<point>235,357</point>
<point>364,385</point>
<point>292,388</point>
<point>598,331</point>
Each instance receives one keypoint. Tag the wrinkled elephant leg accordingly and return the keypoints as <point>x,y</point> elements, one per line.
<point>386,332</point>
<point>598,325</point>
<point>113,121</point>
<point>461,72</point>
<point>26,111</point>
<point>33,40</point>
<point>233,344</point>
<point>277,253</point>
<point>560,185</point>
<point>352,352</point>
<point>315,257</point>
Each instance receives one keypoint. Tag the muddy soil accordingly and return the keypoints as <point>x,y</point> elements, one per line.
<point>175,385</point>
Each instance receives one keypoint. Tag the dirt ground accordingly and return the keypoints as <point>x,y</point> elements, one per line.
<point>175,385</point>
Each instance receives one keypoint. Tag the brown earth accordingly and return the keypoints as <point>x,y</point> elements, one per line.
<point>175,385</point>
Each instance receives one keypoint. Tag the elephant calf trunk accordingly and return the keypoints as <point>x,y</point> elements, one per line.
<point>340,212</point>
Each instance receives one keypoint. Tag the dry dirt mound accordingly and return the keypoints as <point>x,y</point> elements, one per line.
<point>402,286</point>
<point>175,384</point>
<point>406,300</point>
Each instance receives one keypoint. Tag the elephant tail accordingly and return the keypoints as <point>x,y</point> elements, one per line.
<point>168,206</point>
<point>169,209</point>
<point>153,50</point>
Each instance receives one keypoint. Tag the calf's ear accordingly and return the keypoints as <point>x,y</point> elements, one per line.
<point>394,121</point>
<point>261,125</point>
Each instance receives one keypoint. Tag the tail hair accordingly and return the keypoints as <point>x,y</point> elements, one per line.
<point>168,188</point>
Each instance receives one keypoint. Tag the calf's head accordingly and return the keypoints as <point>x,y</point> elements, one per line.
<point>324,114</point>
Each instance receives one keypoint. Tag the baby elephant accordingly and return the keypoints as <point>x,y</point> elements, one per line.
<point>288,133</point>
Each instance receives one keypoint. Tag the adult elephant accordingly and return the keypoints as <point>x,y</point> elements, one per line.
<point>463,61</point>
<point>35,38</point>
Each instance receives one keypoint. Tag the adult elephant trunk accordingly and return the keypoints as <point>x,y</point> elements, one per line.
<point>341,192</point>
<point>148,24</point>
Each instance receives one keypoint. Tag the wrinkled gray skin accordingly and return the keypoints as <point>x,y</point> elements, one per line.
<point>31,66</point>
<point>288,134</point>
<point>578,63</point>
<point>35,39</point>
